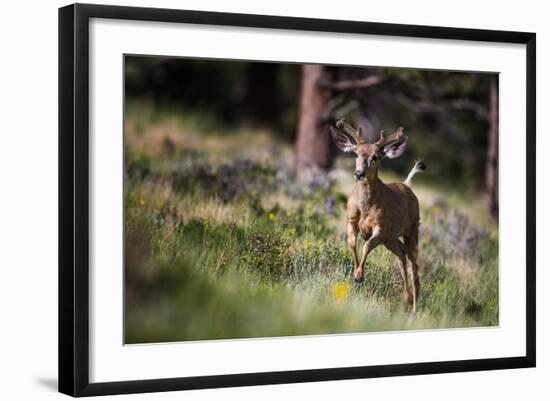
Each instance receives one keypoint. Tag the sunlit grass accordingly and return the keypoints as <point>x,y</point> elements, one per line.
<point>221,243</point>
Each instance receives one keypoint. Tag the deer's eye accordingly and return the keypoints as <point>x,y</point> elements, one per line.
<point>374,158</point>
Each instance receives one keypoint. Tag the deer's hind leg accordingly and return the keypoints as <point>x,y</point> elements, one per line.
<point>398,248</point>
<point>411,248</point>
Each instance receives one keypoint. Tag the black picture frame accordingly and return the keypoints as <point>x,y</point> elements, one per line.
<point>74,200</point>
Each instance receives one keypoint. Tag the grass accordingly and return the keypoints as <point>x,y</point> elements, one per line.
<point>221,243</point>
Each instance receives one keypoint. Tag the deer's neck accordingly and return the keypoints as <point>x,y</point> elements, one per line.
<point>369,188</point>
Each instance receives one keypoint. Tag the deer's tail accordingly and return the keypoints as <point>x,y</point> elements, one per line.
<point>419,166</point>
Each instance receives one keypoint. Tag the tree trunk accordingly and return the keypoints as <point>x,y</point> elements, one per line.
<point>491,169</point>
<point>314,149</point>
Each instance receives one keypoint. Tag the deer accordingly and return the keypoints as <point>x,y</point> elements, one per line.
<point>381,213</point>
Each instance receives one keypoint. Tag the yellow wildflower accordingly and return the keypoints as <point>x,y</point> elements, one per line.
<point>436,210</point>
<point>271,216</point>
<point>340,291</point>
<point>142,202</point>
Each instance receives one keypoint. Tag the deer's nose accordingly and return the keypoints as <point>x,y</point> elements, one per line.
<point>359,174</point>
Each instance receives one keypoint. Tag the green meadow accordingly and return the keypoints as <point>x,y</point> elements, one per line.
<point>222,243</point>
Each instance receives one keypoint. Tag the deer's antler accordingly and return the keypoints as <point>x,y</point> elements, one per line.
<point>349,130</point>
<point>396,136</point>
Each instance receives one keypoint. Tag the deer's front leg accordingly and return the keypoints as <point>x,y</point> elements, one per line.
<point>353,229</point>
<point>368,246</point>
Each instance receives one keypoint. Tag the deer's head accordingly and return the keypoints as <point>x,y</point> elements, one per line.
<point>368,155</point>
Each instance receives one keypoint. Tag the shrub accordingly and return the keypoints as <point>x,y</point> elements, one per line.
<point>267,254</point>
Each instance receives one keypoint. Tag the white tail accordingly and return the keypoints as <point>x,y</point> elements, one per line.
<point>368,211</point>
<point>419,166</point>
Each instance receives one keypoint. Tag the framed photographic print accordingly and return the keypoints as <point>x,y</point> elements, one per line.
<point>250,199</point>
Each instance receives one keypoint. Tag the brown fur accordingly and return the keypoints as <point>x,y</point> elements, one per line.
<point>383,214</point>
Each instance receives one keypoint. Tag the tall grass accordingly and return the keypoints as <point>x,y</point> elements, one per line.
<point>225,245</point>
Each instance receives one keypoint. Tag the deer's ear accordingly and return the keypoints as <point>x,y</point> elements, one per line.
<point>395,149</point>
<point>341,140</point>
